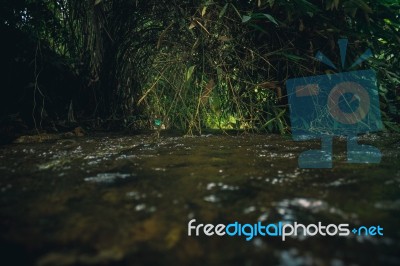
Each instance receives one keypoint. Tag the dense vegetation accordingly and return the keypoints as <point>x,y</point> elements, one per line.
<point>188,65</point>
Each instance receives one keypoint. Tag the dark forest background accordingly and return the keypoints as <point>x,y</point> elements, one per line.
<point>185,65</point>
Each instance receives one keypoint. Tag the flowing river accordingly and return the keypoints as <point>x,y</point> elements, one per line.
<point>127,200</point>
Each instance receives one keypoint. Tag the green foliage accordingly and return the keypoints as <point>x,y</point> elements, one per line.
<point>208,64</point>
<point>308,26</point>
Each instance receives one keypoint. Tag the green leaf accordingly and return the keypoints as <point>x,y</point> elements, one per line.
<point>266,125</point>
<point>259,16</point>
<point>306,6</point>
<point>245,19</point>
<point>223,11</point>
<point>203,11</point>
<point>271,18</point>
<point>237,11</point>
<point>291,56</point>
<point>189,72</point>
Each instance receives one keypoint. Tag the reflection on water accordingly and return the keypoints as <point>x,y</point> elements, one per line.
<point>126,200</point>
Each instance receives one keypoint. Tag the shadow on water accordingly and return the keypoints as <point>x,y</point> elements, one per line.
<point>127,200</point>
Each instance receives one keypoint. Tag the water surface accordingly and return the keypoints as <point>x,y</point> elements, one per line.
<point>126,200</point>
